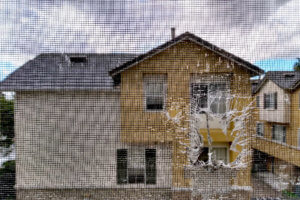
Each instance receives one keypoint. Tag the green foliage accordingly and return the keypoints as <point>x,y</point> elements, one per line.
<point>8,180</point>
<point>8,167</point>
<point>289,194</point>
<point>297,65</point>
<point>6,122</point>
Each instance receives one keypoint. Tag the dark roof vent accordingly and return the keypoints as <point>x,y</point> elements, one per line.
<point>289,75</point>
<point>78,59</point>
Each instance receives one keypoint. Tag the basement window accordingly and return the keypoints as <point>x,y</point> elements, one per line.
<point>136,166</point>
<point>78,59</point>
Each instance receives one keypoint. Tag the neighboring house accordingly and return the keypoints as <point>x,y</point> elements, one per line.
<point>94,125</point>
<point>277,140</point>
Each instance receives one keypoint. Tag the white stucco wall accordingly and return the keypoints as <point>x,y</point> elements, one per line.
<point>282,113</point>
<point>69,140</point>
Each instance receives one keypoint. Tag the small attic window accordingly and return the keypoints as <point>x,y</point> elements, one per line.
<point>78,59</point>
<point>287,75</point>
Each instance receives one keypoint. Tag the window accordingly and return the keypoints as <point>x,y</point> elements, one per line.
<point>155,91</point>
<point>257,101</point>
<point>260,129</point>
<point>78,59</point>
<point>279,133</point>
<point>136,166</point>
<point>212,95</point>
<point>270,101</point>
<point>121,166</point>
<point>219,153</point>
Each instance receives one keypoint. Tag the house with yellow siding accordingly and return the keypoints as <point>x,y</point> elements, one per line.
<point>98,125</point>
<point>277,138</point>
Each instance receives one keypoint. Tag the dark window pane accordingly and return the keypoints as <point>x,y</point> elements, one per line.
<point>204,155</point>
<point>136,175</point>
<point>121,166</point>
<point>78,59</point>
<point>199,96</point>
<point>154,103</point>
<point>150,155</point>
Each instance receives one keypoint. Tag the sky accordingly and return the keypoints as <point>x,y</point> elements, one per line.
<point>265,33</point>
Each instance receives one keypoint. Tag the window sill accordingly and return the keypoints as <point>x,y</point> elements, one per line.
<point>154,111</point>
<point>278,142</point>
<point>270,109</point>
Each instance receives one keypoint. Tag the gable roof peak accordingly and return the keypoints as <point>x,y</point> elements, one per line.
<point>187,35</point>
<point>286,80</point>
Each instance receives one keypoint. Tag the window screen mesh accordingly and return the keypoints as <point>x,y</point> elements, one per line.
<point>149,99</point>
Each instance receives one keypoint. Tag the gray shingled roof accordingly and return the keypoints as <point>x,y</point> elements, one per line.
<point>53,71</point>
<point>287,80</point>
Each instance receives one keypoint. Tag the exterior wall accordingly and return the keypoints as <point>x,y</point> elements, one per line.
<point>179,62</point>
<point>69,140</point>
<point>96,194</point>
<point>282,113</point>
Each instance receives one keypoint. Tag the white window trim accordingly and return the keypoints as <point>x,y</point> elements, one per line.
<point>165,85</point>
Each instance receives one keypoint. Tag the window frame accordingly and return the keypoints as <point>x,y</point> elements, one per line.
<point>262,129</point>
<point>147,180</point>
<point>283,134</point>
<point>257,101</point>
<point>209,92</point>
<point>268,104</point>
<point>221,147</point>
<point>155,77</point>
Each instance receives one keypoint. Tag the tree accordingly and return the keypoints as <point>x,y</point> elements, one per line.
<point>297,65</point>
<point>6,122</point>
<point>7,168</point>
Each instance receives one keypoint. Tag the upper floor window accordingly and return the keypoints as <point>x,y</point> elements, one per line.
<point>257,101</point>
<point>260,129</point>
<point>212,95</point>
<point>155,91</point>
<point>279,133</point>
<point>270,100</point>
<point>136,165</point>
